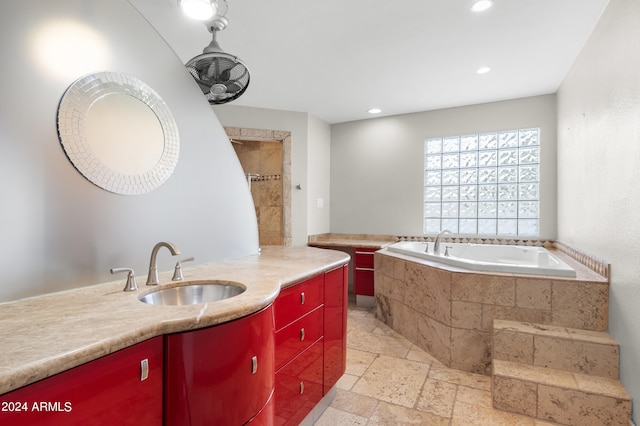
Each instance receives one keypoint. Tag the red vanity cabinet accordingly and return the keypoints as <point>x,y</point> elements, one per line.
<point>311,321</point>
<point>336,283</point>
<point>363,271</point>
<point>298,311</point>
<point>220,375</point>
<point>123,388</point>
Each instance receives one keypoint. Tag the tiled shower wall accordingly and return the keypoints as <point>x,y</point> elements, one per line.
<point>263,161</point>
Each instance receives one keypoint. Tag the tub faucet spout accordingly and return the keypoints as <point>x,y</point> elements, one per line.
<point>152,278</point>
<point>436,246</point>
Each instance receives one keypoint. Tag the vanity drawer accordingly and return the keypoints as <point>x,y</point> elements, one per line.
<point>297,300</point>
<point>299,386</point>
<point>363,257</point>
<point>297,336</point>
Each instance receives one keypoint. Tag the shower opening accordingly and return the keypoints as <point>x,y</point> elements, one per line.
<point>263,155</point>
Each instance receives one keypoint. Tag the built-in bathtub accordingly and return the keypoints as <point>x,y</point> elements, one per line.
<point>489,257</point>
<point>448,310</point>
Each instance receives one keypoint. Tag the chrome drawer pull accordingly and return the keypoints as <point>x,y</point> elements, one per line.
<point>254,365</point>
<point>301,388</point>
<point>302,298</point>
<point>365,269</point>
<point>144,369</point>
<point>365,252</point>
<point>301,334</point>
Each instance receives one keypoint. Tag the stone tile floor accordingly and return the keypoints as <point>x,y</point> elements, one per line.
<point>390,381</point>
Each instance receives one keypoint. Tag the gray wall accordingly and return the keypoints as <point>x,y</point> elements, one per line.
<point>309,161</point>
<point>377,165</point>
<point>599,168</point>
<point>58,230</point>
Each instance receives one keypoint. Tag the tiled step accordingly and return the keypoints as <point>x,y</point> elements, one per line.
<point>561,348</point>
<point>559,396</point>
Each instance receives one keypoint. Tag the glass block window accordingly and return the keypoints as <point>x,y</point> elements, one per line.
<point>484,184</point>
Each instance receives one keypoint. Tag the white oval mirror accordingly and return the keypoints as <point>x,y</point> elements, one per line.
<point>118,133</point>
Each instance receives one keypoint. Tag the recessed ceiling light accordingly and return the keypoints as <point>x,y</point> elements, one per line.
<point>483,70</point>
<point>374,111</point>
<point>481,5</point>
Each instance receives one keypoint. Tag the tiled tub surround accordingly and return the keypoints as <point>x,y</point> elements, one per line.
<point>449,311</point>
<point>45,335</point>
<point>541,339</point>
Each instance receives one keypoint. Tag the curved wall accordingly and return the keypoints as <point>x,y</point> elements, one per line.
<point>58,230</point>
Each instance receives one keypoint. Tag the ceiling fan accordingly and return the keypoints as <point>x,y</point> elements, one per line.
<point>222,77</point>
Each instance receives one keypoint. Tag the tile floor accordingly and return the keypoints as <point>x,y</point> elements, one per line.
<point>390,381</point>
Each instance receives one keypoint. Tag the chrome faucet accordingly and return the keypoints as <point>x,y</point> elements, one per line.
<point>436,246</point>
<point>152,278</point>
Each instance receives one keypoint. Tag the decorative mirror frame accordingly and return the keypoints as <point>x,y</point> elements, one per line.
<point>72,111</point>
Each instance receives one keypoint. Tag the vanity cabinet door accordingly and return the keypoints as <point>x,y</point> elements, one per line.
<point>220,375</point>
<point>335,325</point>
<point>123,388</point>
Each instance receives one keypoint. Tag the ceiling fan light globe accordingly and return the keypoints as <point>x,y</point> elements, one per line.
<point>201,10</point>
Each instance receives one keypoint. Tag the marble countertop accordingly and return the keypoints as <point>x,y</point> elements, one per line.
<point>351,240</point>
<point>45,335</point>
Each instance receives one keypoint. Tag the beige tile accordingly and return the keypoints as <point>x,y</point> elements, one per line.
<point>396,346</point>
<point>362,323</point>
<point>466,315</point>
<point>333,417</point>
<point>472,380</point>
<point>474,415</point>
<point>515,396</point>
<point>393,415</point>
<point>486,289</point>
<point>434,338</point>
<point>577,356</point>
<point>393,380</point>
<point>347,381</point>
<point>530,373</point>
<point>531,328</point>
<point>533,293</point>
<point>600,337</point>
<point>417,354</point>
<point>354,403</point>
<point>580,305</point>
<point>493,312</point>
<point>385,330</point>
<point>437,398</point>
<point>399,268</point>
<point>601,386</point>
<point>578,408</point>
<point>513,346</point>
<point>358,361</point>
<point>428,290</point>
<point>404,321</point>
<point>471,351</point>
<point>474,396</point>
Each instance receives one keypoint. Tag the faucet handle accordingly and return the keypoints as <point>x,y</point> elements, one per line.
<point>177,272</point>
<point>131,285</point>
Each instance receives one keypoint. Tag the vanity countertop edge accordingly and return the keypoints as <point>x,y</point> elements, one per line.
<point>45,335</point>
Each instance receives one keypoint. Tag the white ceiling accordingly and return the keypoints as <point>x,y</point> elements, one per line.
<point>335,59</point>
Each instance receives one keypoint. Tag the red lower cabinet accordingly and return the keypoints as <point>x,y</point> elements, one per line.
<point>299,386</point>
<point>221,375</point>
<point>335,325</point>
<point>363,276</point>
<point>123,388</point>
<point>311,329</point>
